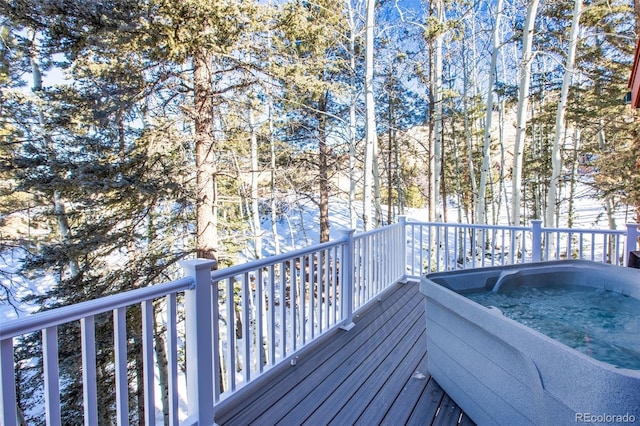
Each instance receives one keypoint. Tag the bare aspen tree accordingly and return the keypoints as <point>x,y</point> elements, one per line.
<point>556,155</point>
<point>523,106</point>
<point>371,137</point>
<point>481,210</point>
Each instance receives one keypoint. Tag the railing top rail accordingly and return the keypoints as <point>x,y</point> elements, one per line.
<point>234,270</point>
<point>376,230</point>
<point>65,314</point>
<point>518,228</point>
<point>585,231</point>
<point>468,225</point>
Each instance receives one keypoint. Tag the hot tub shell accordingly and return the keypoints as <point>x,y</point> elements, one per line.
<point>502,372</point>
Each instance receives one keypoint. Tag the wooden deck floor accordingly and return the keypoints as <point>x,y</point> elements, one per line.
<point>375,373</point>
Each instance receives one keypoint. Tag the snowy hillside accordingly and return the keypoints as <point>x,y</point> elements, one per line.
<point>297,229</point>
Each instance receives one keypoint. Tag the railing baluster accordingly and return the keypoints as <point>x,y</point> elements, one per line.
<point>246,323</point>
<point>368,276</point>
<point>260,320</point>
<point>319,284</point>
<point>503,254</point>
<point>303,301</point>
<point>89,378</point>
<point>464,248</point>
<point>371,283</point>
<point>122,381</point>
<point>493,246</point>
<point>148,364</point>
<point>272,315</point>
<point>338,296</point>
<point>311,281</point>
<point>172,357</point>
<point>483,246</point>
<point>356,285</point>
<point>213,296</point>
<point>51,374</point>
<point>231,335</point>
<point>293,304</point>
<point>416,249</point>
<point>326,275</point>
<point>447,250</point>
<point>283,311</point>
<point>456,248</point>
<point>425,268</point>
<point>383,273</point>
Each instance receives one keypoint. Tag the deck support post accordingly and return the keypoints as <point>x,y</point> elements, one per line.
<point>346,280</point>
<point>536,240</point>
<point>632,241</point>
<point>201,377</point>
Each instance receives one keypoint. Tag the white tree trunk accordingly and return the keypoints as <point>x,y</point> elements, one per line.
<point>436,153</point>
<point>255,213</point>
<point>272,164</point>
<point>467,128</point>
<point>371,139</point>
<point>481,210</point>
<point>523,107</point>
<point>556,156</point>
<point>352,119</point>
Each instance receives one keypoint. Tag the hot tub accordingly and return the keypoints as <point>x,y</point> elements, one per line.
<point>500,371</point>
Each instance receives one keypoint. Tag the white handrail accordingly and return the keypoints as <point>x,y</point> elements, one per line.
<point>65,314</point>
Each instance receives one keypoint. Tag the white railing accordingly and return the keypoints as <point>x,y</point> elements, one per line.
<point>436,247</point>
<point>85,313</point>
<point>241,321</point>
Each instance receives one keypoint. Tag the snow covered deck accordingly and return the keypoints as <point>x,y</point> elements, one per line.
<point>375,373</point>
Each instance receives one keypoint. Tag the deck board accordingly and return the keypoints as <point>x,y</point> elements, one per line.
<point>428,405</point>
<point>369,375</point>
<point>375,373</point>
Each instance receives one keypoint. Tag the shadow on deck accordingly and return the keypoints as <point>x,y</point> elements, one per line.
<point>375,373</point>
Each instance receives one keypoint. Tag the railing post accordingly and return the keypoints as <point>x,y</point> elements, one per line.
<point>536,240</point>
<point>632,241</point>
<point>402,220</point>
<point>346,274</point>
<point>199,342</point>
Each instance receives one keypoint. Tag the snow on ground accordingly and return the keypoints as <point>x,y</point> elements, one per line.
<point>20,287</point>
<point>297,228</point>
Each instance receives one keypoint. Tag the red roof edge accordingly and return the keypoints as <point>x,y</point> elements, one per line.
<point>634,80</point>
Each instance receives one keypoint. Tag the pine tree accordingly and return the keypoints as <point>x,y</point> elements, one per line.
<point>309,39</point>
